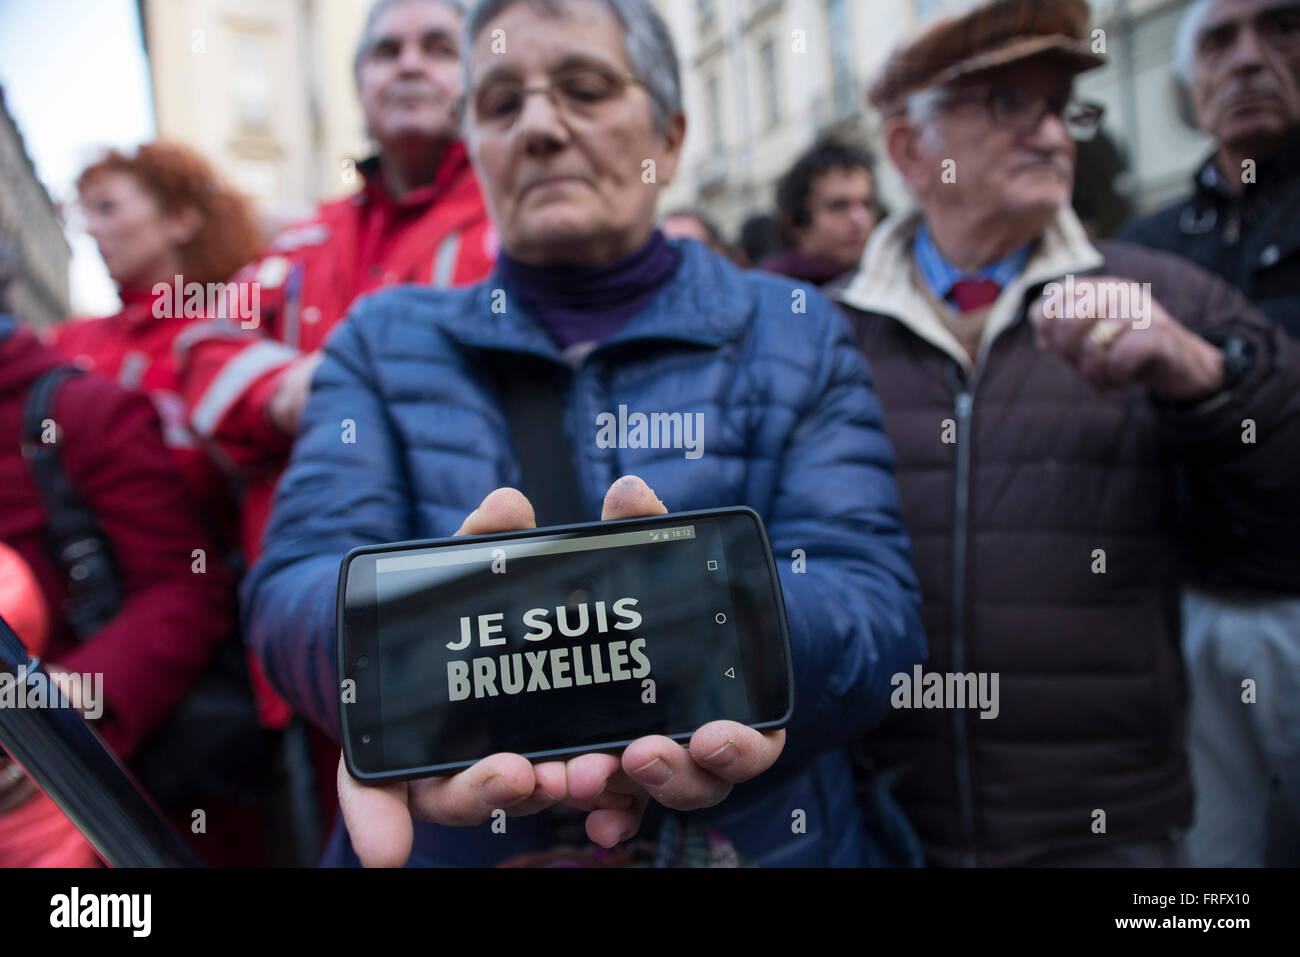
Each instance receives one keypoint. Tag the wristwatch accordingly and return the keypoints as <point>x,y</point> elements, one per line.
<point>1238,360</point>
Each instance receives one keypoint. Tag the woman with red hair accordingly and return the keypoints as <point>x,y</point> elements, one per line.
<point>171,233</point>
<point>164,221</point>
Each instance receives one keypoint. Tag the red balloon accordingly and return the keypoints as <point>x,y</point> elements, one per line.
<point>21,601</point>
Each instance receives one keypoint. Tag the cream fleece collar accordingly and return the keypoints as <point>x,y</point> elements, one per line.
<point>884,283</point>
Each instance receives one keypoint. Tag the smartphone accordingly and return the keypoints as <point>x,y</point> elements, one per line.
<point>558,641</point>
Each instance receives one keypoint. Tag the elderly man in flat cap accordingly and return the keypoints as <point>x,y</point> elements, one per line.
<point>1047,398</point>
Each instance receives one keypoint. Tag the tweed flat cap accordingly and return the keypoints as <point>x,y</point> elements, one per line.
<point>993,33</point>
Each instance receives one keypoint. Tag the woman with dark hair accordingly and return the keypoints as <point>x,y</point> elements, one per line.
<point>169,229</point>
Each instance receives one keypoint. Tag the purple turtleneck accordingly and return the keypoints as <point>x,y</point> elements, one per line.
<point>590,303</point>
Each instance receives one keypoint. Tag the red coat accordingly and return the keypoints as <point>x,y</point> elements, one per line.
<point>112,452</point>
<point>438,235</point>
<point>134,348</point>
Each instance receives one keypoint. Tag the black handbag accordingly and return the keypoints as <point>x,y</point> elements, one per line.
<point>212,745</point>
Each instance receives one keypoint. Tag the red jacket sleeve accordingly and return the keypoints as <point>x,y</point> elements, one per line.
<point>227,377</point>
<point>176,612</point>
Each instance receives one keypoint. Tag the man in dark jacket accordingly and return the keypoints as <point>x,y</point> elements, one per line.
<point>1240,61</point>
<point>1040,392</point>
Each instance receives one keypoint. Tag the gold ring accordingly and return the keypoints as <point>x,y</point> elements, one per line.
<point>1106,332</point>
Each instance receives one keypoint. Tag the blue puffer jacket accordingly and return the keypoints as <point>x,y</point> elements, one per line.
<point>791,429</point>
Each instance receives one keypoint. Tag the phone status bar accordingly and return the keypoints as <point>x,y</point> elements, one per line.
<point>671,534</point>
<point>471,554</point>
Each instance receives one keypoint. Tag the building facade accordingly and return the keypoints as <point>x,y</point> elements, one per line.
<point>30,220</point>
<point>264,89</point>
<point>764,79</point>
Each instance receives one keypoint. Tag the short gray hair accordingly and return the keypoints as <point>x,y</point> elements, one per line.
<point>650,48</point>
<point>1189,30</point>
<point>378,10</point>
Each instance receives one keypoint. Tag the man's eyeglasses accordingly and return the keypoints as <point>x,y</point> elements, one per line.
<point>1023,111</point>
<point>583,93</point>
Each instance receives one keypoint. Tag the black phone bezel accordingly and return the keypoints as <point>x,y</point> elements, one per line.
<point>357,633</point>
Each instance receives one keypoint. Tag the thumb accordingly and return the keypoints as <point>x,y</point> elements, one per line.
<point>377,818</point>
<point>630,497</point>
<point>505,510</point>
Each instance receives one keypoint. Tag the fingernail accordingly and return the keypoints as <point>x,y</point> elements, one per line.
<point>496,792</point>
<point>545,794</point>
<point>656,773</point>
<point>725,755</point>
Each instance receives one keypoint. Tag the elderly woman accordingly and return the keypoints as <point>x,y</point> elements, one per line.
<point>573,120</point>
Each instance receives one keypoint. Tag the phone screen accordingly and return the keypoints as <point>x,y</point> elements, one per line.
<point>561,641</point>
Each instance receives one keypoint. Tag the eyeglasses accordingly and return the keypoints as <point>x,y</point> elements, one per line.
<point>1023,111</point>
<point>581,93</point>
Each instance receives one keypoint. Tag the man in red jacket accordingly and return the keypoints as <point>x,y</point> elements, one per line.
<point>418,218</point>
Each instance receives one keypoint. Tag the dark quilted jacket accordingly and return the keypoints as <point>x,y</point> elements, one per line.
<point>1092,697</point>
<point>792,429</point>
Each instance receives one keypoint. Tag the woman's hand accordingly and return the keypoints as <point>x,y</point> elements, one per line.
<point>613,789</point>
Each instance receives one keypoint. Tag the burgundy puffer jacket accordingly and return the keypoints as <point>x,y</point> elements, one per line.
<point>172,619</point>
<point>1008,522</point>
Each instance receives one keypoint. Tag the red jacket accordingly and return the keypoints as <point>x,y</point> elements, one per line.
<point>112,452</point>
<point>438,235</point>
<point>302,287</point>
<point>134,347</point>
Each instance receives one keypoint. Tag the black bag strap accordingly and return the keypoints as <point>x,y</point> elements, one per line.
<point>40,403</point>
<point>532,397</point>
<point>76,543</point>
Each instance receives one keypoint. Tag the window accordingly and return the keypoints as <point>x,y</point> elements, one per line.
<point>252,87</point>
<point>771,83</point>
<point>707,14</point>
<point>841,47</point>
<point>713,93</point>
